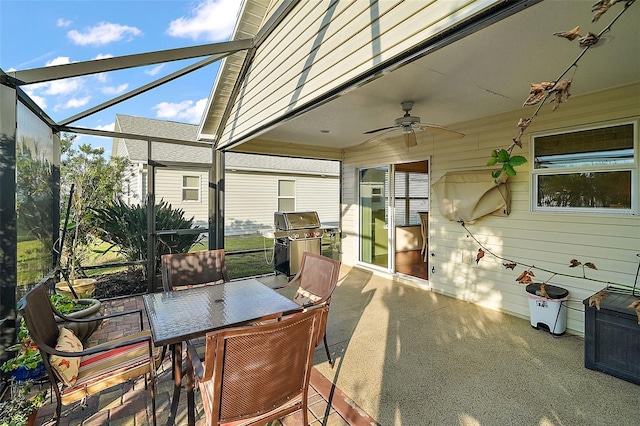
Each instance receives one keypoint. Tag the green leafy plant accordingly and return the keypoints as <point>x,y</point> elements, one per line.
<point>16,411</point>
<point>508,161</point>
<point>66,305</point>
<point>27,356</point>
<point>124,227</point>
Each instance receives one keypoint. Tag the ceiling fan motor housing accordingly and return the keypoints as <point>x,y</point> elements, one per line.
<point>407,120</point>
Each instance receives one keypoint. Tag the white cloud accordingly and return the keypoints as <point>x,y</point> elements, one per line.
<point>63,22</point>
<point>110,90</point>
<point>103,33</point>
<point>63,87</point>
<point>155,70</point>
<point>76,102</point>
<point>60,60</point>
<point>103,56</point>
<point>210,21</point>
<point>108,127</point>
<point>102,77</point>
<point>42,102</point>
<point>187,111</point>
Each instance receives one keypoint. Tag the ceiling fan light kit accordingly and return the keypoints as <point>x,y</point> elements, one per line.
<point>409,123</point>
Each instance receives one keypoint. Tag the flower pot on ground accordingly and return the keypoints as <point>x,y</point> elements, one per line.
<point>68,308</point>
<point>83,287</point>
<point>22,406</point>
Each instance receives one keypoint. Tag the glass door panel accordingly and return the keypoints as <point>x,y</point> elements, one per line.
<point>374,214</point>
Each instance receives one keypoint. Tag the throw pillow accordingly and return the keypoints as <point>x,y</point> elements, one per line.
<point>66,368</point>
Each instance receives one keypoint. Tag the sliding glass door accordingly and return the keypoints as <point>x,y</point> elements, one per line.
<point>393,200</point>
<point>374,214</point>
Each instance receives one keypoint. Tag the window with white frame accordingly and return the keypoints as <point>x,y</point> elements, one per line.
<point>286,195</point>
<point>587,171</point>
<point>190,188</point>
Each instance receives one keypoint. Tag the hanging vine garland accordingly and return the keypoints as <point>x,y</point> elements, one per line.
<point>539,93</point>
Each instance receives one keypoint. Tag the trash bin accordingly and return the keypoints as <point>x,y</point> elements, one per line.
<point>549,313</point>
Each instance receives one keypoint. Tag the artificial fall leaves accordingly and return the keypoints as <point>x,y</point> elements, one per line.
<point>540,91</point>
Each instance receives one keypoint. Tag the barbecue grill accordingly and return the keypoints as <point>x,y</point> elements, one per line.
<point>296,232</point>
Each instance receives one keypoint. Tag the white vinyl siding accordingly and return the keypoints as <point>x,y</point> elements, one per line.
<point>545,240</point>
<point>307,56</point>
<point>169,185</point>
<point>252,199</point>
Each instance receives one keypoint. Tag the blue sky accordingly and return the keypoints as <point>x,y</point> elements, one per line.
<point>35,34</point>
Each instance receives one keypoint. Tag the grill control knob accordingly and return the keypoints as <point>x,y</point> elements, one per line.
<point>296,236</point>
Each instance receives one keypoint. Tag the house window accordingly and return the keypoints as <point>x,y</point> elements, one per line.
<point>286,195</point>
<point>586,171</point>
<point>190,188</point>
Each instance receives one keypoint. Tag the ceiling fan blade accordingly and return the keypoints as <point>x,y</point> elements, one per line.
<point>442,130</point>
<point>379,130</point>
<point>410,139</point>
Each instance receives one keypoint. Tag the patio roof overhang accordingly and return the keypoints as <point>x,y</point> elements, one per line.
<point>480,69</point>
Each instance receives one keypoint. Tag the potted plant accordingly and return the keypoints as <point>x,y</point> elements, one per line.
<point>23,406</point>
<point>27,363</point>
<point>75,309</point>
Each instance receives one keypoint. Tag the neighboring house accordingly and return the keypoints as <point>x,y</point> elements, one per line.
<point>323,73</point>
<point>256,185</point>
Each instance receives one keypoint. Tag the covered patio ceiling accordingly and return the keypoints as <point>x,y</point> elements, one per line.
<point>483,74</point>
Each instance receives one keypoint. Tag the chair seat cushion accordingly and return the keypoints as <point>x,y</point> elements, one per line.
<point>66,368</point>
<point>105,369</point>
<point>304,297</point>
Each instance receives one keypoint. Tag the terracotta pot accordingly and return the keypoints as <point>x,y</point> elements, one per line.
<point>83,287</point>
<point>84,330</point>
<point>31,420</point>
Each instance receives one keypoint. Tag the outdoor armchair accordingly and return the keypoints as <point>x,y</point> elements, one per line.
<point>256,374</point>
<point>186,270</point>
<point>76,372</point>
<point>317,279</point>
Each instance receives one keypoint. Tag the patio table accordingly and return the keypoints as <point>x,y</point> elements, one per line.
<point>177,316</point>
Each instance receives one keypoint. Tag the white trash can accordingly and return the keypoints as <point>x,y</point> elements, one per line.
<point>549,313</point>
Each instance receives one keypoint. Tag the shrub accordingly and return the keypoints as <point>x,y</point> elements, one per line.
<point>124,227</point>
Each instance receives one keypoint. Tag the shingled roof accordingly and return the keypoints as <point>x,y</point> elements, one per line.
<point>136,150</point>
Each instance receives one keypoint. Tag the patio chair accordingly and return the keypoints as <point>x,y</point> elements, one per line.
<point>76,372</point>
<point>317,277</point>
<point>256,374</point>
<point>424,230</point>
<point>187,270</point>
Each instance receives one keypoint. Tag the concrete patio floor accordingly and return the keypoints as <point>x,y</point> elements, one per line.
<point>412,357</point>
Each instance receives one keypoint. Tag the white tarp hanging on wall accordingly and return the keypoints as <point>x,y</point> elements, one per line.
<point>470,195</point>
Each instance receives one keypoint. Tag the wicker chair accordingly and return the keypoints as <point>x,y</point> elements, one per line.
<point>256,374</point>
<point>100,367</point>
<point>317,278</point>
<point>185,270</point>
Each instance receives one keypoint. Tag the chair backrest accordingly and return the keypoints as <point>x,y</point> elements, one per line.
<point>318,277</point>
<point>260,368</point>
<point>37,312</point>
<point>188,269</point>
<point>424,223</point>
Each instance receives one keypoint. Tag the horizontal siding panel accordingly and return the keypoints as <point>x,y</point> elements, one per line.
<point>293,80</point>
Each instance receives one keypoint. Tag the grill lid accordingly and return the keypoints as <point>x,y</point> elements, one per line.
<point>286,221</point>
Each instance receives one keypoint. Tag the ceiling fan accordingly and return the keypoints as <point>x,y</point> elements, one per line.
<point>409,123</point>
